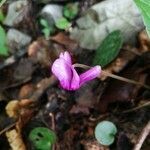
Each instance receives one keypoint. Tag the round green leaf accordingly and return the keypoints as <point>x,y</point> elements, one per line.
<point>42,138</point>
<point>62,23</point>
<point>105,132</point>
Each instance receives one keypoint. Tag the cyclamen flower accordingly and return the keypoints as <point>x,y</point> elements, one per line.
<point>69,79</point>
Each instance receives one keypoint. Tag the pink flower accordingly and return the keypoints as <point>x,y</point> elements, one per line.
<point>69,79</point>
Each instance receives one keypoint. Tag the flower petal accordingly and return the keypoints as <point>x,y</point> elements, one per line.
<point>66,56</point>
<point>75,82</point>
<point>90,74</point>
<point>62,70</point>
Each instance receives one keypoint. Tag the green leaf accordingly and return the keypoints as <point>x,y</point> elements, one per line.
<point>70,10</point>
<point>47,29</point>
<point>3,47</point>
<point>109,49</point>
<point>62,23</point>
<point>42,138</point>
<point>44,23</point>
<point>144,6</point>
<point>105,132</point>
<point>1,16</point>
<point>46,32</point>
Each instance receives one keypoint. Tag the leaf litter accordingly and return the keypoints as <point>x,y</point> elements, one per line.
<point>33,98</point>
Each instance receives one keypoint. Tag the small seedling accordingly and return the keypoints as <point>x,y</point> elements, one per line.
<point>105,132</point>
<point>70,10</point>
<point>62,23</point>
<point>47,29</point>
<point>42,138</point>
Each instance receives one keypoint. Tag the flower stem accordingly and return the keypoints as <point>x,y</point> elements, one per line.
<point>115,76</point>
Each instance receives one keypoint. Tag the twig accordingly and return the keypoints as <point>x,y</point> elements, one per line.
<point>53,121</point>
<point>125,79</point>
<point>115,76</point>
<point>144,134</point>
<point>7,128</point>
<point>137,108</point>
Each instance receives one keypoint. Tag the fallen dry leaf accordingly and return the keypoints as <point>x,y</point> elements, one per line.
<point>19,110</point>
<point>120,91</point>
<point>15,140</point>
<point>12,109</point>
<point>42,51</point>
<point>93,145</point>
<point>26,91</point>
<point>65,40</point>
<point>144,41</point>
<point>124,57</point>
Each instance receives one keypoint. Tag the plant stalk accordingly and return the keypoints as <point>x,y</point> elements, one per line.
<point>115,76</point>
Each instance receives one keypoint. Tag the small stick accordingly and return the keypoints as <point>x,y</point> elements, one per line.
<point>144,134</point>
<point>115,76</point>
<point>136,108</point>
<point>7,128</point>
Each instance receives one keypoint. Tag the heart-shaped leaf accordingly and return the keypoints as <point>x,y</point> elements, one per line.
<point>109,49</point>
<point>42,138</point>
<point>105,132</point>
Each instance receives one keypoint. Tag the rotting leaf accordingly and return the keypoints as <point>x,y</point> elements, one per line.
<point>15,140</point>
<point>109,49</point>
<point>12,108</point>
<point>65,40</point>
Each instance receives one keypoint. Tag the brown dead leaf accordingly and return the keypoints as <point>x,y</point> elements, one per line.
<point>123,142</point>
<point>76,109</point>
<point>24,69</point>
<point>42,51</point>
<point>121,91</point>
<point>120,62</point>
<point>68,143</point>
<point>15,140</point>
<point>65,40</point>
<point>144,41</point>
<point>26,91</point>
<point>93,145</point>
<point>12,109</point>
<point>19,110</point>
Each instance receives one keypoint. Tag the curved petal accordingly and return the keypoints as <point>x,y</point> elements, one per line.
<point>62,70</point>
<point>90,74</point>
<point>66,56</point>
<point>75,82</point>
